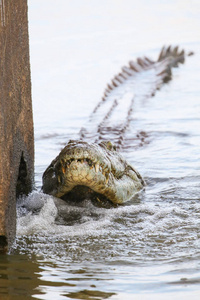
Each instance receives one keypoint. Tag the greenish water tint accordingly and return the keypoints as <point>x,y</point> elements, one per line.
<point>146,249</point>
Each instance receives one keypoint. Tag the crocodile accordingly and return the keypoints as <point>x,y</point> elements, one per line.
<point>95,171</point>
<point>92,166</point>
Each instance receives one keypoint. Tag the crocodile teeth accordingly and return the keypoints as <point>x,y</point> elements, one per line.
<point>106,169</point>
<point>107,178</point>
<point>97,168</point>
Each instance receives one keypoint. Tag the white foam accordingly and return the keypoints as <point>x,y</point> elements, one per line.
<point>33,223</point>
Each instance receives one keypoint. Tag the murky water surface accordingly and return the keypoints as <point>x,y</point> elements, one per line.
<point>146,249</point>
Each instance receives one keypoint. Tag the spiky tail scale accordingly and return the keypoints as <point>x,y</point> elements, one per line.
<point>172,57</point>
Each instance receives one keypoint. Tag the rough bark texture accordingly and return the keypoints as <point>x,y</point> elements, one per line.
<point>16,122</point>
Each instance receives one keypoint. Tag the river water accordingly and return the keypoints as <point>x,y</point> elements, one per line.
<point>146,249</point>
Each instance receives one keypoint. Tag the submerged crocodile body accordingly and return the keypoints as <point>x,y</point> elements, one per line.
<point>96,170</point>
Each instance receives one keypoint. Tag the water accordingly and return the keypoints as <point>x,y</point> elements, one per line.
<point>149,248</point>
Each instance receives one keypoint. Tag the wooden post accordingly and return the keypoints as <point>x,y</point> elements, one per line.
<point>16,122</point>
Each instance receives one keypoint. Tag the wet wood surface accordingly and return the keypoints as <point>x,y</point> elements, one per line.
<point>16,122</point>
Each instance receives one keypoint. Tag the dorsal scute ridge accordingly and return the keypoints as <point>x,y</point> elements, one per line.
<point>168,57</point>
<point>128,71</point>
<point>173,53</point>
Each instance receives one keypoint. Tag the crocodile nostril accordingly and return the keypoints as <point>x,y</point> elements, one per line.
<point>89,161</point>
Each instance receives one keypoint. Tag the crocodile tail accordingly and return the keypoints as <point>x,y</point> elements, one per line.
<point>138,80</point>
<point>175,55</point>
<point>171,57</point>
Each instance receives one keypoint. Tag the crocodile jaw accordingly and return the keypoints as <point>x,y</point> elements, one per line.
<point>95,166</point>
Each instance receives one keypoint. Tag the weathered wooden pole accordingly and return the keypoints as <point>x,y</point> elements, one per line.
<point>16,122</point>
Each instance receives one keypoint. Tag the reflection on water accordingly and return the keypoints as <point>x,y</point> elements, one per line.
<point>18,276</point>
<point>148,248</point>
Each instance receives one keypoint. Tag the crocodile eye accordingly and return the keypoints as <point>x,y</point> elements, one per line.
<point>72,141</point>
<point>108,145</point>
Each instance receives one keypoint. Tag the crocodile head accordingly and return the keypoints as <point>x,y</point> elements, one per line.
<point>83,170</point>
